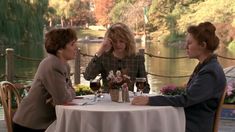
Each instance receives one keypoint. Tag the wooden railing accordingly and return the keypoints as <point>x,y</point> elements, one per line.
<point>10,56</point>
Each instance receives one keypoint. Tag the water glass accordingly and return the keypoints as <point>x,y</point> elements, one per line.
<point>95,86</point>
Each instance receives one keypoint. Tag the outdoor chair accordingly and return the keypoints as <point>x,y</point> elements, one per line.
<point>9,96</point>
<point>218,112</point>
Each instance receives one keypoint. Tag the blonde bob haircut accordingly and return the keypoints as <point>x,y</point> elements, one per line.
<point>120,31</point>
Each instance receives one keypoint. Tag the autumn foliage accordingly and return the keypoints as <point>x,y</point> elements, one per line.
<point>102,9</point>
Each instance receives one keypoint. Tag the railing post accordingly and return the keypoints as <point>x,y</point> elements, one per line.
<point>141,51</point>
<point>77,67</point>
<point>9,64</point>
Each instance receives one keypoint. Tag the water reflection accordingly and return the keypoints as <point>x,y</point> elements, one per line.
<point>179,67</point>
<point>24,69</point>
<point>167,67</point>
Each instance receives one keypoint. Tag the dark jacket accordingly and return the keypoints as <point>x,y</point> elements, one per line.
<point>201,100</point>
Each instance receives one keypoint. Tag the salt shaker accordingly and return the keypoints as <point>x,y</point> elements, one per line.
<point>120,100</point>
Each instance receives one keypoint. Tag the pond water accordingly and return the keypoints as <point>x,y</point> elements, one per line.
<point>156,66</point>
<point>159,66</point>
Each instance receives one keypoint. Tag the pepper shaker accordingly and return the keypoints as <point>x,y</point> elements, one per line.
<point>120,100</point>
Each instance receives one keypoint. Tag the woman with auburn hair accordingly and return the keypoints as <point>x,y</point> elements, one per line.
<point>117,53</point>
<point>51,84</point>
<point>205,86</point>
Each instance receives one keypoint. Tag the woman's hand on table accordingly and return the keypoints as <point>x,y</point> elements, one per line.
<point>78,97</point>
<point>70,103</point>
<point>140,100</point>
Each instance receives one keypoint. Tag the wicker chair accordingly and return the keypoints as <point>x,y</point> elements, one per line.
<point>218,113</point>
<point>8,92</point>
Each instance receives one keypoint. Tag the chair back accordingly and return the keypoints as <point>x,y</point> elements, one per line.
<point>8,93</point>
<point>218,112</point>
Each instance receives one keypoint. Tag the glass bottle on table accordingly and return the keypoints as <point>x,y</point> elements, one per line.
<point>140,81</point>
<point>120,99</point>
<point>95,86</point>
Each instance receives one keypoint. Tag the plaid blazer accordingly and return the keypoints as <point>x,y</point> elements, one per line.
<point>134,65</point>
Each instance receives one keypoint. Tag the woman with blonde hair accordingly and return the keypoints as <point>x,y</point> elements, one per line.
<point>117,53</point>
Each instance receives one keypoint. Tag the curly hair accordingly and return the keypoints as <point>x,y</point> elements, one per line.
<point>120,31</point>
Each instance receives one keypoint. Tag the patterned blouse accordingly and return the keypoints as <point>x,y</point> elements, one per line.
<point>134,65</point>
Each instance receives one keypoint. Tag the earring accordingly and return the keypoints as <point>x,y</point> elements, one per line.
<point>59,51</point>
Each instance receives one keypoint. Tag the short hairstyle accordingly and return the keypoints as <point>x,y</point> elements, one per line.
<point>205,33</point>
<point>57,39</point>
<point>120,31</point>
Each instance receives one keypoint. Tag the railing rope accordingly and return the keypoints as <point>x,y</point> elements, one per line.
<point>84,54</point>
<point>230,76</point>
<point>182,57</point>
<point>16,76</point>
<point>163,57</point>
<point>77,71</point>
<point>9,57</point>
<point>155,56</point>
<point>26,58</point>
<point>2,55</point>
<point>2,76</point>
<point>183,76</point>
<point>165,76</point>
<point>228,58</point>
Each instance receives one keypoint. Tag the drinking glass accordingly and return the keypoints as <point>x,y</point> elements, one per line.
<point>140,84</point>
<point>95,86</point>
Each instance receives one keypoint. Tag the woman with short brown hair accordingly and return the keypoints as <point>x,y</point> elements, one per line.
<point>51,84</point>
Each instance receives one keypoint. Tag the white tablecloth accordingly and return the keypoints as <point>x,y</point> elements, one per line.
<point>107,116</point>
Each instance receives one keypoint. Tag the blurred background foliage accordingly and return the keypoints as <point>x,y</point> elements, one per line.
<point>23,21</point>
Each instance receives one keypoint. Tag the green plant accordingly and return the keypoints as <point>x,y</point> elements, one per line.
<point>81,89</point>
